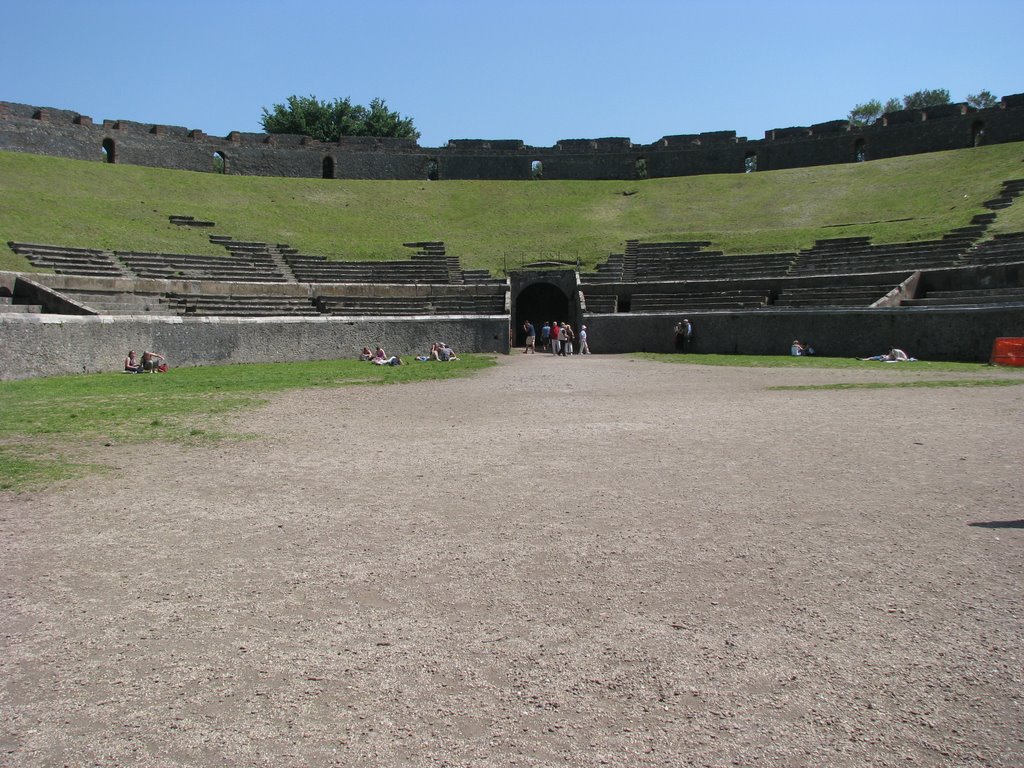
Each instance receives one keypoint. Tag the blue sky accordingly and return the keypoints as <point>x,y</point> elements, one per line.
<point>536,71</point>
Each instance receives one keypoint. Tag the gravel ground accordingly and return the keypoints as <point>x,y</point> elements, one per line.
<point>589,561</point>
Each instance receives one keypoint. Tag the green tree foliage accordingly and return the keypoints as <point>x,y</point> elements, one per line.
<point>865,114</point>
<point>926,98</point>
<point>982,100</point>
<point>330,120</point>
<point>892,105</point>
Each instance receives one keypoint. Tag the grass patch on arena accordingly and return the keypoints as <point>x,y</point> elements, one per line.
<point>44,419</point>
<point>838,363</point>
<point>22,469</point>
<point>905,384</point>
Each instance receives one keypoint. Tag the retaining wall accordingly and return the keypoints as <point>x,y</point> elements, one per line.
<point>932,333</point>
<point>47,345</point>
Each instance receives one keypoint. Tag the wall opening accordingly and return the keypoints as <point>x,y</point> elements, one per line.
<point>625,302</point>
<point>432,172</point>
<point>860,151</point>
<point>108,150</point>
<point>750,162</point>
<point>539,303</point>
<point>328,167</point>
<point>536,169</point>
<point>220,163</point>
<point>641,168</point>
<point>978,133</point>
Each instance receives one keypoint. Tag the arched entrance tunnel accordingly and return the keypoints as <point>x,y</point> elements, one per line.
<point>538,303</point>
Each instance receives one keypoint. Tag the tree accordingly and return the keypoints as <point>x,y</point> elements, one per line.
<point>380,121</point>
<point>982,100</point>
<point>926,98</point>
<point>892,105</point>
<point>865,114</point>
<point>330,120</point>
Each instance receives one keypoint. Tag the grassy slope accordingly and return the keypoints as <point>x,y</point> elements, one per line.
<point>487,224</point>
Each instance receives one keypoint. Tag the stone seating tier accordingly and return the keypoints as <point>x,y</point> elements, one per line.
<point>1008,295</point>
<point>118,302</point>
<point>480,277</point>
<point>69,261</point>
<point>854,255</point>
<point>1000,249</point>
<point>664,302</point>
<point>824,295</point>
<point>241,306</point>
<point>420,305</point>
<point>7,306</point>
<point>316,269</point>
<point>187,266</point>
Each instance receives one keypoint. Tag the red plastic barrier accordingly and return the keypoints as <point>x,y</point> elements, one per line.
<point>1008,351</point>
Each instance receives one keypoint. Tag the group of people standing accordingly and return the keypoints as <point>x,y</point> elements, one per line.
<point>558,338</point>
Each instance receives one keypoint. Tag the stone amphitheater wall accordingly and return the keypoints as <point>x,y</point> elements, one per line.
<point>63,133</point>
<point>935,333</point>
<point>77,344</point>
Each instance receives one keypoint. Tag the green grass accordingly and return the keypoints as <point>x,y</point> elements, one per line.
<point>904,384</point>
<point>837,363</point>
<point>48,423</point>
<point>491,224</point>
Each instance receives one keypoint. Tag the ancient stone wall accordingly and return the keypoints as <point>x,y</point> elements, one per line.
<point>77,344</point>
<point>62,133</point>
<point>935,333</point>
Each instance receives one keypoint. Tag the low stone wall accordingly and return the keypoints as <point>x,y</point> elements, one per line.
<point>47,345</point>
<point>933,333</point>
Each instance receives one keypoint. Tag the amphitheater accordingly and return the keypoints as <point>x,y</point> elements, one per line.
<point>945,298</point>
<point>598,561</point>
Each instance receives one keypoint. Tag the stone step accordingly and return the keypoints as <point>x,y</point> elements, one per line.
<point>962,301</point>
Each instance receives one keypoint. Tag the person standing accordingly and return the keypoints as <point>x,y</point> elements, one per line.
<point>567,338</point>
<point>545,336</point>
<point>684,334</point>
<point>531,338</point>
<point>556,345</point>
<point>584,347</point>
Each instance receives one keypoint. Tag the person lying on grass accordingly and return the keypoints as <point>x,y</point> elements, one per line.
<point>894,355</point>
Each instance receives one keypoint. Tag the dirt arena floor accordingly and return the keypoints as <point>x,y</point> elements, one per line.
<point>579,562</point>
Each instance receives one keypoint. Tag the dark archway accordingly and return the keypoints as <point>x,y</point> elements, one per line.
<point>750,162</point>
<point>108,150</point>
<point>977,133</point>
<point>538,303</point>
<point>860,151</point>
<point>328,167</point>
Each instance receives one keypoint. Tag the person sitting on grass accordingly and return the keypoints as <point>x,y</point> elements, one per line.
<point>153,362</point>
<point>366,354</point>
<point>800,348</point>
<point>131,363</point>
